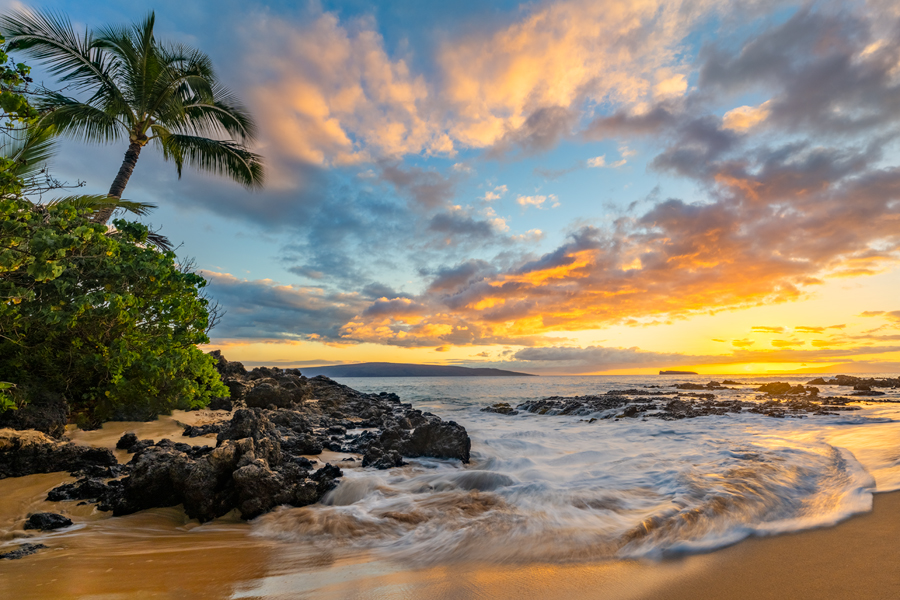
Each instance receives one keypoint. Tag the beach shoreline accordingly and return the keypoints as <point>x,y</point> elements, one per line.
<point>177,559</point>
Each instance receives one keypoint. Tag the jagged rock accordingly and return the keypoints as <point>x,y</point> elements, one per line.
<point>29,452</point>
<point>23,551</point>
<point>377,458</point>
<point>439,439</point>
<point>45,412</point>
<point>45,521</point>
<point>127,441</point>
<point>227,368</point>
<point>259,462</point>
<point>501,408</point>
<point>198,430</point>
<point>265,395</point>
<point>90,488</point>
<point>261,489</point>
<point>776,388</point>
<point>221,404</point>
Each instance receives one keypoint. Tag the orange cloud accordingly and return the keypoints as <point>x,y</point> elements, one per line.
<point>743,118</point>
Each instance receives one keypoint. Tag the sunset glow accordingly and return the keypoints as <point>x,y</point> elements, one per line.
<point>557,188</point>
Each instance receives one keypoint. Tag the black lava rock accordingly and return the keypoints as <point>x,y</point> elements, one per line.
<point>45,521</point>
<point>23,551</point>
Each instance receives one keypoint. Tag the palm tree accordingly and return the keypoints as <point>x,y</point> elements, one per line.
<point>140,90</point>
<point>26,154</point>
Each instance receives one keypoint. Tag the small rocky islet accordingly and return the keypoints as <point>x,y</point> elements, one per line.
<point>690,400</point>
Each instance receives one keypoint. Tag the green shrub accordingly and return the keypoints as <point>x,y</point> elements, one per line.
<point>100,318</point>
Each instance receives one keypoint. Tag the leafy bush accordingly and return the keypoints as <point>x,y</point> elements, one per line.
<point>99,317</point>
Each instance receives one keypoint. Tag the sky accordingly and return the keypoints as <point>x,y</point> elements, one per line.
<point>572,187</point>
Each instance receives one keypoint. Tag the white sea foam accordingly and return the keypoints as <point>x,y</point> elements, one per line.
<point>561,488</point>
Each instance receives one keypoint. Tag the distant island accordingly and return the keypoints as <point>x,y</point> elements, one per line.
<point>678,373</point>
<point>386,369</point>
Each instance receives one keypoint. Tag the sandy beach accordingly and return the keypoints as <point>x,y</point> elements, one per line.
<point>160,554</point>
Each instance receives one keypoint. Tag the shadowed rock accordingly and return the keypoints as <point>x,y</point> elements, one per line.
<point>30,452</point>
<point>45,521</point>
<point>22,551</point>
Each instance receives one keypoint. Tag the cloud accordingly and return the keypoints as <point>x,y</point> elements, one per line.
<point>600,161</point>
<point>457,225</point>
<point>763,329</point>
<point>495,194</point>
<point>600,358</point>
<point>563,359</point>
<point>264,309</point>
<point>520,84</point>
<point>428,189</point>
<point>743,118</point>
<point>805,193</point>
<point>537,201</point>
<point>328,93</point>
<point>787,343</point>
<point>396,307</point>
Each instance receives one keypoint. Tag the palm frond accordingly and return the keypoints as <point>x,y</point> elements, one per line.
<point>160,241</point>
<point>78,120</point>
<point>50,38</point>
<point>30,150</point>
<point>101,202</point>
<point>224,114</point>
<point>219,157</point>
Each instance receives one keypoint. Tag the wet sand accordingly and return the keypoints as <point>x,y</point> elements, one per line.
<point>161,554</point>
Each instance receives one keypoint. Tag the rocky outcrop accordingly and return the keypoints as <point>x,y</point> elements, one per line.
<point>22,551</point>
<point>260,460</point>
<point>781,388</point>
<point>500,408</point>
<point>712,385</point>
<point>45,412</point>
<point>261,457</point>
<point>247,471</point>
<point>29,452</point>
<point>45,521</point>
<point>851,381</point>
<point>687,406</point>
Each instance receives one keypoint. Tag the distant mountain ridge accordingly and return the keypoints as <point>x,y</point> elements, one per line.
<point>386,369</point>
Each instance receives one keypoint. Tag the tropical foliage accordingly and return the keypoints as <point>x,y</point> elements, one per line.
<point>92,313</point>
<point>103,319</point>
<point>137,89</point>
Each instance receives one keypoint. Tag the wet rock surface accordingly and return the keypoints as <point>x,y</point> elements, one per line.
<point>780,400</point>
<point>45,521</point>
<point>46,412</point>
<point>260,459</point>
<point>501,408</point>
<point>851,381</point>
<point>29,452</point>
<point>22,551</point>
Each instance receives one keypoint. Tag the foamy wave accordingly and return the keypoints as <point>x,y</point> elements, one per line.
<point>563,489</point>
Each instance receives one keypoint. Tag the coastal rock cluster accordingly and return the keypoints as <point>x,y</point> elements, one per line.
<point>854,382</point>
<point>261,458</point>
<point>781,400</point>
<point>28,452</point>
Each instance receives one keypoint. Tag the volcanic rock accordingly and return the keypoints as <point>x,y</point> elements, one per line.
<point>23,551</point>
<point>29,452</point>
<point>45,521</point>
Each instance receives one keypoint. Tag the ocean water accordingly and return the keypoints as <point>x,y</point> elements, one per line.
<point>559,488</point>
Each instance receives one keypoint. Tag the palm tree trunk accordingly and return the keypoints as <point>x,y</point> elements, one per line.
<point>121,180</point>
